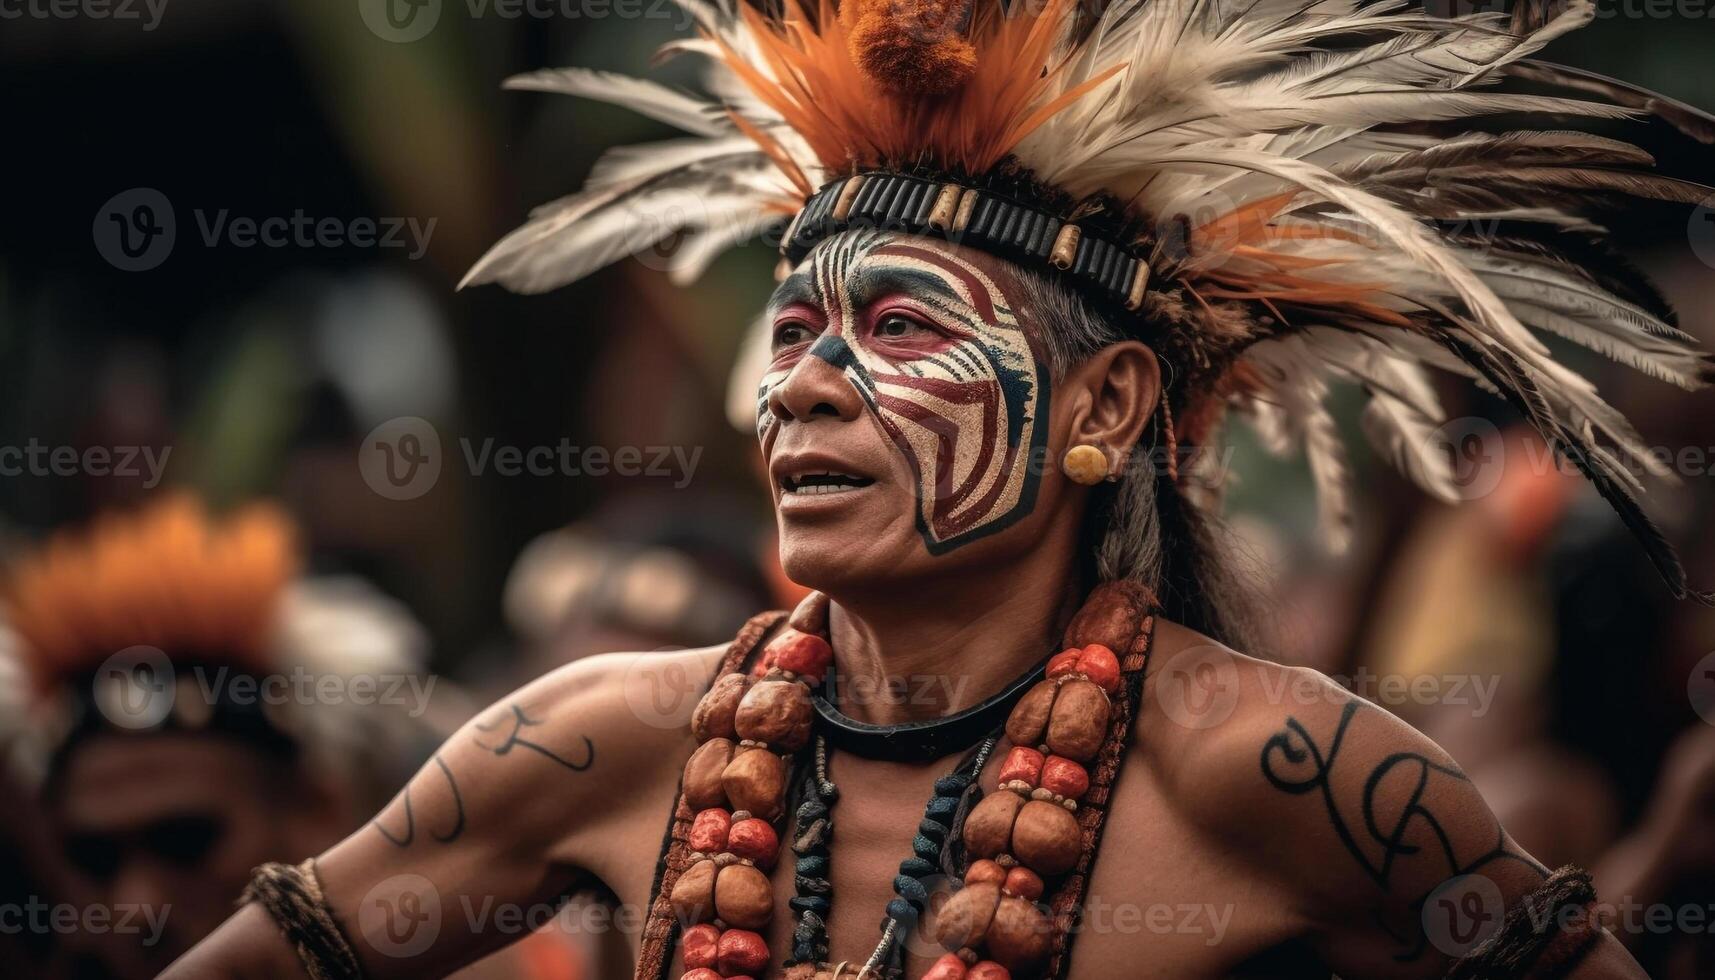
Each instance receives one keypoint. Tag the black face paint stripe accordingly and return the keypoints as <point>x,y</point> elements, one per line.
<point>833,349</point>
<point>966,360</point>
<point>950,365</point>
<point>799,287</point>
<point>871,283</point>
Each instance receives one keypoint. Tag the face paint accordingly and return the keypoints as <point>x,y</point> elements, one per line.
<point>930,340</point>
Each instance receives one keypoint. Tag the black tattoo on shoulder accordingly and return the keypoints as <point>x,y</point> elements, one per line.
<point>1293,762</point>
<point>514,739</point>
<point>409,834</point>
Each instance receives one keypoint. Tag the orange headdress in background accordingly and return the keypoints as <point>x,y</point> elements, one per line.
<point>169,576</point>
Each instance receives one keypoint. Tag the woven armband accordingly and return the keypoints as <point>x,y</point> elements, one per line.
<point>292,894</point>
<point>1543,936</point>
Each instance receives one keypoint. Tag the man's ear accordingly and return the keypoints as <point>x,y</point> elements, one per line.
<point>1110,398</point>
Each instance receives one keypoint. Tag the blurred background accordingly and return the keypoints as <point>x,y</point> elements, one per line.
<point>147,313</point>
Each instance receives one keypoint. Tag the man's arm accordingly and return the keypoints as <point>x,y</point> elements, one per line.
<point>1388,850</point>
<point>540,791</point>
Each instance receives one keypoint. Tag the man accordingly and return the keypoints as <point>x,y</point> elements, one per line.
<point>172,755</point>
<point>1031,256</point>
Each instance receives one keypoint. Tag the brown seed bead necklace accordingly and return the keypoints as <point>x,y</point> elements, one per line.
<point>929,860</point>
<point>1042,823</point>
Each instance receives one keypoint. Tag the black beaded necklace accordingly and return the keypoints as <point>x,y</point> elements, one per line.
<point>814,894</point>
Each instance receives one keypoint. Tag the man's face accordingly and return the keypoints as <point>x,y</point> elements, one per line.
<point>904,415</point>
<point>167,827</point>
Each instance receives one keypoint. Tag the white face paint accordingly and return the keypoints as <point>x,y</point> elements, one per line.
<point>931,340</point>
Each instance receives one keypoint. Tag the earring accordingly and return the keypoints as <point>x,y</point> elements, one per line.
<point>1085,464</point>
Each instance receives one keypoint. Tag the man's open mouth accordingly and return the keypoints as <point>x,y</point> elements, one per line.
<point>811,484</point>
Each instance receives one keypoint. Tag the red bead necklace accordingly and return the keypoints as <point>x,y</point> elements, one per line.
<point>1033,836</point>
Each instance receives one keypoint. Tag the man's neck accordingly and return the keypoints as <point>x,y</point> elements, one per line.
<point>940,646</point>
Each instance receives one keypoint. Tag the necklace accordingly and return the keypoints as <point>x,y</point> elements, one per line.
<point>929,858</point>
<point>1042,823</point>
<point>916,741</point>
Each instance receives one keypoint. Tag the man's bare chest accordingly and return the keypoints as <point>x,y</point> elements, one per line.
<point>1162,901</point>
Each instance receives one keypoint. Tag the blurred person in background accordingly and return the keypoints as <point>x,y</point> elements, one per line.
<point>640,573</point>
<point>33,870</point>
<point>1569,674</point>
<point>1464,604</point>
<point>196,707</point>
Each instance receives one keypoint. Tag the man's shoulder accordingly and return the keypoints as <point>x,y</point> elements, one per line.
<point>569,738</point>
<point>1205,704</point>
<point>633,705</point>
<point>1348,806</point>
<point>1233,734</point>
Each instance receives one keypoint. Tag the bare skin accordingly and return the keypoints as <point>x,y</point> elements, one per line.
<point>1264,823</point>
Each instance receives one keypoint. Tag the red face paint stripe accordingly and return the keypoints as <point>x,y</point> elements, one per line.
<point>947,433</point>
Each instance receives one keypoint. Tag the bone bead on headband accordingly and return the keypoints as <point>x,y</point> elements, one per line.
<point>1273,195</point>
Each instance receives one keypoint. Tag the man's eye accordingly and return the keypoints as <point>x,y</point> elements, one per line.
<point>895,326</point>
<point>790,333</point>
<point>94,855</point>
<point>184,841</point>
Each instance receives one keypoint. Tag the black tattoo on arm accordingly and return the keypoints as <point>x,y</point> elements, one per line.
<point>409,834</point>
<point>1293,762</point>
<point>514,739</point>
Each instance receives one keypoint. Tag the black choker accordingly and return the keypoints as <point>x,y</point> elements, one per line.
<point>919,741</point>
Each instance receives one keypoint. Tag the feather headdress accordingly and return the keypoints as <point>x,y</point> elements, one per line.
<point>1279,192</point>
<point>174,588</point>
<point>168,577</point>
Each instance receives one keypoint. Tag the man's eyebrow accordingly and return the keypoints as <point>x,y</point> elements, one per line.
<point>799,287</point>
<point>877,278</point>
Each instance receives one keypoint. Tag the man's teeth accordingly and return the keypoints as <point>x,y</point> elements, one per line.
<point>815,484</point>
<point>822,488</point>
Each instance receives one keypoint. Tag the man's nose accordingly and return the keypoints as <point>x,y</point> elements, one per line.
<point>817,386</point>
<point>140,884</point>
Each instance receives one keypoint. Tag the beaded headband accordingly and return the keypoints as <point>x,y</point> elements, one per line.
<point>1012,229</point>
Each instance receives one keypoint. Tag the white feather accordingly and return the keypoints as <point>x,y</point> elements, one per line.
<point>646,98</point>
